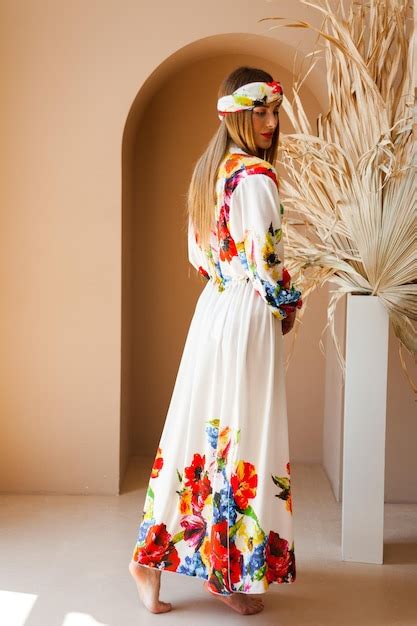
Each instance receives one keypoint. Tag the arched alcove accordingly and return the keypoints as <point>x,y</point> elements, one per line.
<point>171,121</point>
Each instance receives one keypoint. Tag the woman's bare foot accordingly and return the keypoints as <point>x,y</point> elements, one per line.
<point>148,582</point>
<point>241,602</point>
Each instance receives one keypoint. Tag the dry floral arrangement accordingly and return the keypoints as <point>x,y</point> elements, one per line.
<point>353,181</point>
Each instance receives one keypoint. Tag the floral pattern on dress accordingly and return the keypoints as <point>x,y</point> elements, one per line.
<point>224,542</point>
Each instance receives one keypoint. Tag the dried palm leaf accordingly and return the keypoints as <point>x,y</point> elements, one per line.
<point>352,184</point>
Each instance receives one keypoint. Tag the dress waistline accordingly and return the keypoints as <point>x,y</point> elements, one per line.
<point>236,280</point>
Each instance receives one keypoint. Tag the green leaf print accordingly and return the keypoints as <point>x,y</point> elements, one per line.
<point>219,577</point>
<point>178,537</point>
<point>235,527</point>
<point>260,573</point>
<point>281,481</point>
<point>179,476</point>
<point>251,513</point>
<point>273,235</point>
<point>221,463</point>
<point>284,483</point>
<point>149,500</point>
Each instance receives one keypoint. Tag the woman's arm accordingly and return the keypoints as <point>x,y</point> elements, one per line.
<point>255,225</point>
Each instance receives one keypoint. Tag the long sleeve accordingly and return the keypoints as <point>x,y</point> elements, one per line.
<point>195,255</point>
<point>255,225</point>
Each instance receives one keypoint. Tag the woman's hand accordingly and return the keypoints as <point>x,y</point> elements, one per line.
<point>288,322</point>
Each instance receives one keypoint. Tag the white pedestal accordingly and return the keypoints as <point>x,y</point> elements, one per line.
<point>367,327</point>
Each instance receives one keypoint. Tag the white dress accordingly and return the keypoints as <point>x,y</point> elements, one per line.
<point>218,504</point>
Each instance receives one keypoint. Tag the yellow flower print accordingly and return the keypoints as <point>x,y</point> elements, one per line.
<point>223,444</point>
<point>277,314</point>
<point>208,501</point>
<point>241,252</point>
<point>269,255</point>
<point>250,533</point>
<point>184,503</point>
<point>205,552</point>
<point>242,100</point>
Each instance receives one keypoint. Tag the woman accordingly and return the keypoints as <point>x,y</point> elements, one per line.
<point>218,504</point>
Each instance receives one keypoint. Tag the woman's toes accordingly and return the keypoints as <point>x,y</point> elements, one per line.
<point>161,607</point>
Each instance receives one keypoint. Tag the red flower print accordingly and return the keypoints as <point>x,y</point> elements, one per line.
<point>286,284</point>
<point>279,559</point>
<point>193,472</point>
<point>158,549</point>
<point>288,308</point>
<point>201,490</point>
<point>288,468</point>
<point>194,530</point>
<point>244,482</point>
<point>286,278</point>
<point>158,463</point>
<point>203,271</point>
<point>222,556</point>
<point>276,87</point>
<point>227,247</point>
<point>261,169</point>
<point>200,484</point>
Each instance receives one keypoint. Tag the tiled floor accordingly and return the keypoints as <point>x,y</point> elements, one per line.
<point>64,563</point>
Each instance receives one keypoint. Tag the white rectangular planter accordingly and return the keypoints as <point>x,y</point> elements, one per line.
<point>367,328</point>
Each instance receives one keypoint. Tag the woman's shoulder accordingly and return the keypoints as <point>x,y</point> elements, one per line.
<point>239,165</point>
<point>260,166</point>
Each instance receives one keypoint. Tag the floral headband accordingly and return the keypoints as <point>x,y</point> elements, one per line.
<point>248,96</point>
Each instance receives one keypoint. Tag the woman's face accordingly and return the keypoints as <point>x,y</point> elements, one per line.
<point>264,121</point>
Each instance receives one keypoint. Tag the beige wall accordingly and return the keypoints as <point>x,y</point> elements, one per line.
<point>99,137</point>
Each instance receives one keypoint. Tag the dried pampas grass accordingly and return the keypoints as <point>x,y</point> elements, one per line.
<point>353,182</point>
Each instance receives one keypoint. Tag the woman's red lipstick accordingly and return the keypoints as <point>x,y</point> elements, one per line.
<point>267,134</point>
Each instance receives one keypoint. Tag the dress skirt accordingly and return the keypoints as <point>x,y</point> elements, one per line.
<point>218,504</point>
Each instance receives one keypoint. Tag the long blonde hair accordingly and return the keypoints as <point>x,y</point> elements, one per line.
<point>201,196</point>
